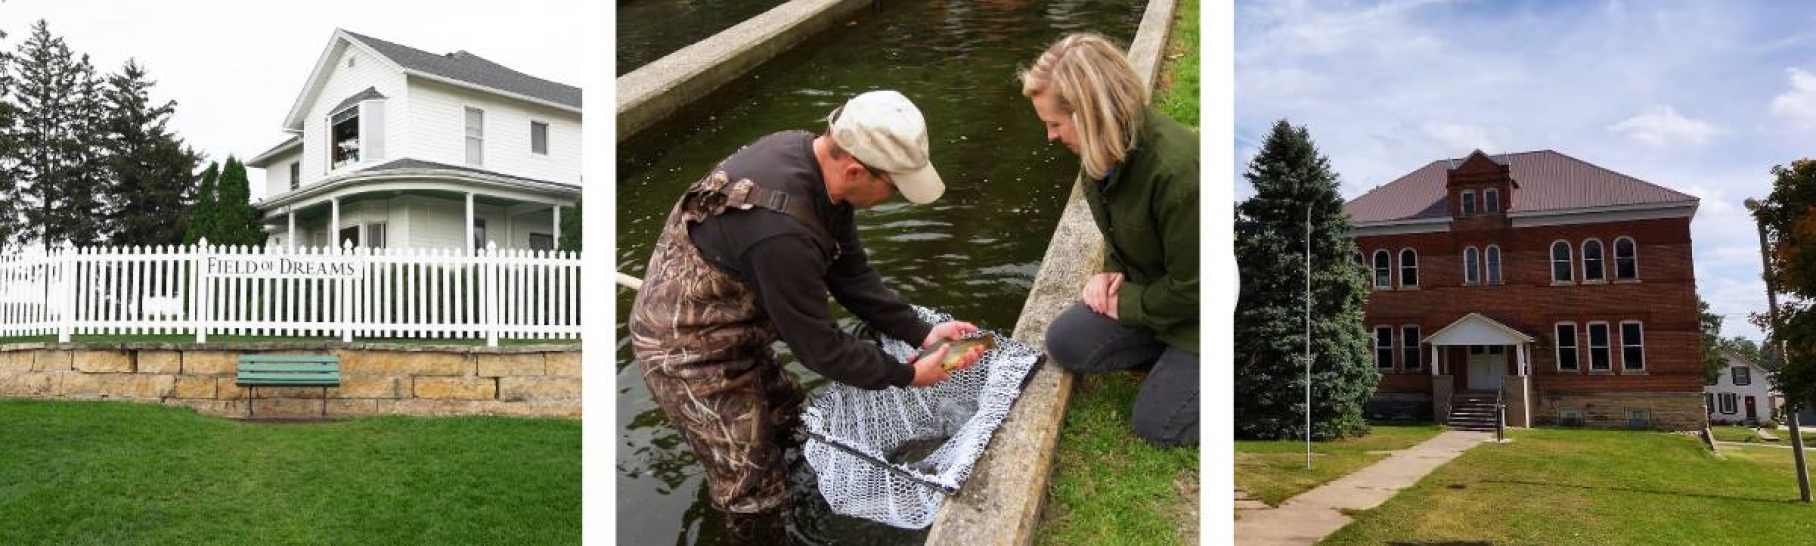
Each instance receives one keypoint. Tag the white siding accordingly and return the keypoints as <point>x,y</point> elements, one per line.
<point>437,124</point>
<point>1760,389</point>
<point>277,172</point>
<point>342,82</point>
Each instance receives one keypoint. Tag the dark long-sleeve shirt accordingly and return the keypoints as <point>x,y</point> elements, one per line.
<point>793,272</point>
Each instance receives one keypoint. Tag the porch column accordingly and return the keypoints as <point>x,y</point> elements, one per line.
<point>1525,388</point>
<point>1434,361</point>
<point>290,237</point>
<point>557,230</point>
<point>469,243</point>
<point>334,222</point>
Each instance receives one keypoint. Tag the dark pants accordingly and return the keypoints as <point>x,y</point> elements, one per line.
<point>1166,411</point>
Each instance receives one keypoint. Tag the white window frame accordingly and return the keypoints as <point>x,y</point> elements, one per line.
<point>1575,348</point>
<point>296,174</point>
<point>1569,262</point>
<point>1601,261</point>
<point>1735,373</point>
<point>1730,403</point>
<point>1389,347</point>
<point>359,137</point>
<point>378,241</point>
<point>1472,261</point>
<point>1491,202</point>
<point>1607,345</point>
<point>1382,270</point>
<point>1491,265</point>
<point>547,137</point>
<point>1617,259</point>
<point>1411,358</point>
<point>1641,345</point>
<point>1469,203</point>
<point>471,135</point>
<point>1404,252</point>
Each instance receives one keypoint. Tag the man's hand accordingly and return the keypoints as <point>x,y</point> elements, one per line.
<point>930,368</point>
<point>956,329</point>
<point>1100,293</point>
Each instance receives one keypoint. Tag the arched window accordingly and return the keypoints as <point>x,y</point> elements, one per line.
<point>1471,260</point>
<point>1560,262</point>
<point>1494,264</point>
<point>1592,261</point>
<point>1409,268</point>
<point>1491,201</point>
<point>1383,272</point>
<point>1626,259</point>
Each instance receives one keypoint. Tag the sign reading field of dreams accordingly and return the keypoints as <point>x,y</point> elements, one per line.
<point>313,292</point>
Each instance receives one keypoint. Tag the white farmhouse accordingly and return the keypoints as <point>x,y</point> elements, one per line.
<point>391,146</point>
<point>1742,394</point>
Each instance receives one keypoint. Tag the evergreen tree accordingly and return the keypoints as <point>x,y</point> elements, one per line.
<point>199,222</point>
<point>1290,176</point>
<point>11,221</point>
<point>149,168</point>
<point>235,221</point>
<point>570,229</point>
<point>1712,342</point>
<point>59,172</point>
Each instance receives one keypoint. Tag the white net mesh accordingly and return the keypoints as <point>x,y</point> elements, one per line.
<point>892,455</point>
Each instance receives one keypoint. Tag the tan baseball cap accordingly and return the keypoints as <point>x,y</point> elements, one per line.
<point>887,133</point>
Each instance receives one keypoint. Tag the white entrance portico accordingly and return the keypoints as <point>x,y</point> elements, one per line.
<point>1487,343</point>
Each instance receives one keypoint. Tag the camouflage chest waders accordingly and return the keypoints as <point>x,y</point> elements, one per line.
<point>704,348</point>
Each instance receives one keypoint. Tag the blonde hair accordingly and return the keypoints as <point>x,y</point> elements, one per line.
<point>1094,83</point>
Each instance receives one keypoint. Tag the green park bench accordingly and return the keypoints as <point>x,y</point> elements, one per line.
<point>258,370</point>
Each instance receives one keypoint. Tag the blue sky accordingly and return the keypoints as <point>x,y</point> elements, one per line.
<point>1703,97</point>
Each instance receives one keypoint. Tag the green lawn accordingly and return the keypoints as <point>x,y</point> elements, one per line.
<point>1561,486</point>
<point>1110,487</point>
<point>125,473</point>
<point>220,338</point>
<point>1274,471</point>
<point>1737,433</point>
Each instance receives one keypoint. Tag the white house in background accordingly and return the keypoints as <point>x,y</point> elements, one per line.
<point>1742,394</point>
<point>391,146</point>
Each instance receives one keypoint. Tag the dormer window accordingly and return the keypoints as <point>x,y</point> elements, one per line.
<point>344,137</point>
<point>1469,203</point>
<point>1491,201</point>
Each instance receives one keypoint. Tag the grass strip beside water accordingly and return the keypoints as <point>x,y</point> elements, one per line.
<point>1109,486</point>
<point>126,473</point>
<point>1273,471</point>
<point>1564,486</point>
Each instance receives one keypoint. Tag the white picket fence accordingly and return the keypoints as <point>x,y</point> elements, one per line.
<point>309,292</point>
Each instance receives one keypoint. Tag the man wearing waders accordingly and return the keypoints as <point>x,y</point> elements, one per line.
<point>750,253</point>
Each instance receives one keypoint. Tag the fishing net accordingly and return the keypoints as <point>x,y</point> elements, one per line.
<point>893,455</point>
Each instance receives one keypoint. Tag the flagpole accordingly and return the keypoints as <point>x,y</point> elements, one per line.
<point>1308,336</point>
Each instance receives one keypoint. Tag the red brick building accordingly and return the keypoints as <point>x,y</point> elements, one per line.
<point>1564,287</point>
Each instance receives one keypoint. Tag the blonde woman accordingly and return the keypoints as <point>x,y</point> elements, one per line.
<point>1140,174</point>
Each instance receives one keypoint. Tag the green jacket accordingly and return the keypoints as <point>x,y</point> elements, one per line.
<point>1148,212</point>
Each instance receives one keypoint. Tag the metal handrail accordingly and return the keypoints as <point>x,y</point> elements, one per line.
<point>1500,413</point>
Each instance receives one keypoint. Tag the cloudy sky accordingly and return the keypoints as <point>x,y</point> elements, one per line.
<point>234,68</point>
<point>1703,97</point>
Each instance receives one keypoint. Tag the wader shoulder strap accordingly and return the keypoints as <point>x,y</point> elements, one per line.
<point>744,195</point>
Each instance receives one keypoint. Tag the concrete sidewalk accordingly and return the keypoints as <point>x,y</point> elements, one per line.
<point>1315,514</point>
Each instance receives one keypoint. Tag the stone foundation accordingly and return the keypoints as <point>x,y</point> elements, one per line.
<point>1663,410</point>
<point>539,380</point>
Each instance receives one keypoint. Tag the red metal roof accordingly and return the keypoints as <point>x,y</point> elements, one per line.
<point>1547,181</point>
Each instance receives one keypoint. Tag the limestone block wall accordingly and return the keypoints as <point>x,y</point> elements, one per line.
<point>1603,409</point>
<point>539,380</point>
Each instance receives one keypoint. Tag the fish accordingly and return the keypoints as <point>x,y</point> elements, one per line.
<point>916,450</point>
<point>959,348</point>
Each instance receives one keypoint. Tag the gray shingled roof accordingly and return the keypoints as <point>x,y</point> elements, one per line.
<point>470,68</point>
<point>369,93</point>
<point>408,163</point>
<point>1547,180</point>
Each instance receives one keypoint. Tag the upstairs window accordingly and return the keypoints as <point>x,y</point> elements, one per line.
<point>1491,201</point>
<point>1743,375</point>
<point>343,134</point>
<point>1494,264</point>
<point>1560,262</point>
<point>1598,347</point>
<point>1384,348</point>
<point>1469,203</point>
<point>1633,346</point>
<point>1566,347</point>
<point>476,137</point>
<point>1409,348</point>
<point>1409,268</point>
<point>1383,271</point>
<point>539,138</point>
<point>1626,259</point>
<point>296,174</point>
<point>1592,261</point>
<point>1471,259</point>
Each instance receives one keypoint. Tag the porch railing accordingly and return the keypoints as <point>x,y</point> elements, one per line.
<point>309,292</point>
